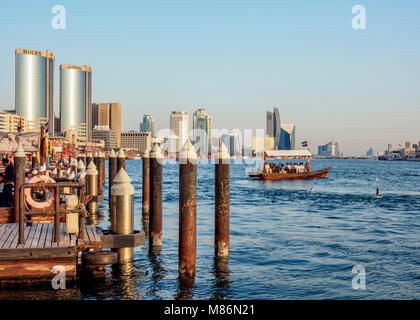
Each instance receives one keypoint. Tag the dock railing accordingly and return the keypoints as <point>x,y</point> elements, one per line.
<point>57,211</point>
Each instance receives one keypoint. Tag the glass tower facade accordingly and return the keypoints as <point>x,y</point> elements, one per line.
<point>34,85</point>
<point>76,98</point>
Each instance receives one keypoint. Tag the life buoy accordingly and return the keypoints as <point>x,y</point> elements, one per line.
<point>38,204</point>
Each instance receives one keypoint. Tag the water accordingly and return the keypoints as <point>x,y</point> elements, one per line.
<point>285,242</point>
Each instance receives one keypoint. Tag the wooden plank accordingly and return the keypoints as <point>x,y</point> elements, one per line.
<point>36,236</point>
<point>12,234</point>
<point>95,234</point>
<point>123,240</point>
<point>48,238</point>
<point>41,242</point>
<point>90,234</point>
<point>28,241</point>
<point>37,253</point>
<point>53,244</point>
<point>15,242</point>
<point>26,232</point>
<point>6,234</point>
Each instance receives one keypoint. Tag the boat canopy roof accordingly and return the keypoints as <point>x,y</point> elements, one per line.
<point>287,154</point>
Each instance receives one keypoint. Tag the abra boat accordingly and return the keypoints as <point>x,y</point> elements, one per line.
<point>284,157</point>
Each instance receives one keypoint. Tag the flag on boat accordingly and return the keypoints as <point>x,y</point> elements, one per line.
<point>304,143</point>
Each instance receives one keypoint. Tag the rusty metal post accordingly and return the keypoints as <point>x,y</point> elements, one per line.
<point>123,202</point>
<point>155,212</point>
<point>222,200</point>
<point>112,172</point>
<point>41,145</point>
<point>187,210</point>
<point>92,188</point>
<point>145,190</point>
<point>21,216</point>
<point>19,177</point>
<point>57,215</point>
<point>120,160</point>
<point>101,172</point>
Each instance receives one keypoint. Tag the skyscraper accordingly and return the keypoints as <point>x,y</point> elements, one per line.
<point>76,99</point>
<point>273,126</point>
<point>115,120</point>
<point>287,137</point>
<point>180,126</point>
<point>100,114</point>
<point>108,114</point>
<point>202,125</point>
<point>34,86</point>
<point>148,125</point>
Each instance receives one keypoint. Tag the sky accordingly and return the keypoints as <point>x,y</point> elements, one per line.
<point>238,59</point>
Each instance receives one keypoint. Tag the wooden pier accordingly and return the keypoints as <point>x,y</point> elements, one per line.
<point>37,257</point>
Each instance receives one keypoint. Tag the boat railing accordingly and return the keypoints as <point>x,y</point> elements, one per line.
<point>80,187</point>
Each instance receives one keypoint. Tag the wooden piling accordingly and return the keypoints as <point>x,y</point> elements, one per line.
<point>222,199</point>
<point>187,210</point>
<point>120,160</point>
<point>101,172</point>
<point>112,172</point>
<point>155,188</point>
<point>145,190</point>
<point>19,177</point>
<point>123,224</point>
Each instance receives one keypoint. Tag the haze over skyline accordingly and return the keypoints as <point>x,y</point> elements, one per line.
<point>237,60</point>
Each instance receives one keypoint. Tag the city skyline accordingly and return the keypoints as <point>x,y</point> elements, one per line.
<point>328,79</point>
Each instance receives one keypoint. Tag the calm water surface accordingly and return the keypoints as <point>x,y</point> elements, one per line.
<point>286,243</point>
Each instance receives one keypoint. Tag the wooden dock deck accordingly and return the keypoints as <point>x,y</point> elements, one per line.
<point>39,254</point>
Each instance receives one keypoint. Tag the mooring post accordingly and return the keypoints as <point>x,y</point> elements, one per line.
<point>122,192</point>
<point>155,188</point>
<point>92,187</point>
<point>112,172</point>
<point>19,179</point>
<point>120,160</point>
<point>101,172</point>
<point>80,166</point>
<point>145,190</point>
<point>88,159</point>
<point>95,158</point>
<point>73,165</point>
<point>222,199</point>
<point>187,210</point>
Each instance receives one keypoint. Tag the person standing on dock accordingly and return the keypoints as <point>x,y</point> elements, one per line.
<point>8,183</point>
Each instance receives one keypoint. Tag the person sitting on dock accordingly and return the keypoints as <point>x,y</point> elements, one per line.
<point>8,183</point>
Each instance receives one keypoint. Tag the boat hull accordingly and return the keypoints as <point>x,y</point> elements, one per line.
<point>292,176</point>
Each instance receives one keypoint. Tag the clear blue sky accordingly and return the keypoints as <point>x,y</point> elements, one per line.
<point>237,59</point>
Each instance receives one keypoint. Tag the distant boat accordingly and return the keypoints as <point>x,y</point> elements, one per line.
<point>294,156</point>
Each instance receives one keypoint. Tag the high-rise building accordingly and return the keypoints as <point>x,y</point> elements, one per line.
<point>109,137</point>
<point>136,140</point>
<point>273,126</point>
<point>180,127</point>
<point>10,122</point>
<point>115,120</point>
<point>202,125</point>
<point>100,114</point>
<point>34,86</point>
<point>148,125</point>
<point>108,114</point>
<point>232,143</point>
<point>76,99</point>
<point>329,150</point>
<point>287,137</point>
